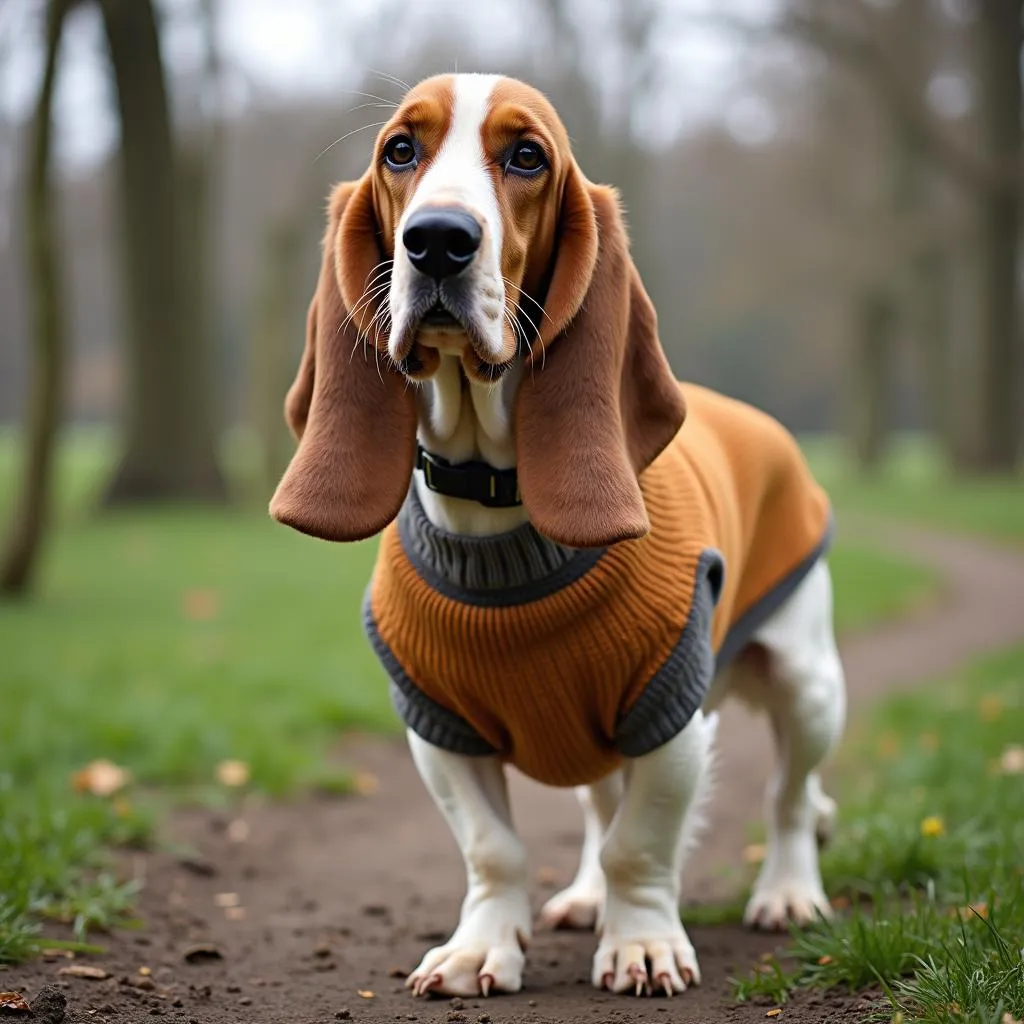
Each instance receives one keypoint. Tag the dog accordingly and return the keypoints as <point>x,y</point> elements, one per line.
<point>580,557</point>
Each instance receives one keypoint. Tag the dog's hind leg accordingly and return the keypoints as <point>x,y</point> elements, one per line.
<point>803,691</point>
<point>582,903</point>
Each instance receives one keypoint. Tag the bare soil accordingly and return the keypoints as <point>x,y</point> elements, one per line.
<point>335,899</point>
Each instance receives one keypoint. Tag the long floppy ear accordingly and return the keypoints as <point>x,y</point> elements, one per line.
<point>354,415</point>
<point>598,401</point>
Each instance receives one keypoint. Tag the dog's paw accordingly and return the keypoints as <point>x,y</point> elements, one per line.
<point>775,905</point>
<point>578,907</point>
<point>646,966</point>
<point>469,969</point>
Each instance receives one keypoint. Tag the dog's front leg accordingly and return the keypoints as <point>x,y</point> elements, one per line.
<point>643,944</point>
<point>485,953</point>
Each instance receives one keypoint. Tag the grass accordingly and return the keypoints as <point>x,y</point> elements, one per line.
<point>915,485</point>
<point>928,859</point>
<point>168,641</point>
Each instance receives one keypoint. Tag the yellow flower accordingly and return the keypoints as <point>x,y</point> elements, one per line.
<point>933,827</point>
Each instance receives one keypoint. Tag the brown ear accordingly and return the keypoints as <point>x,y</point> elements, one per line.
<point>354,415</point>
<point>598,401</point>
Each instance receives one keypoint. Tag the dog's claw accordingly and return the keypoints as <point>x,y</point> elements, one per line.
<point>665,984</point>
<point>639,976</point>
<point>607,980</point>
<point>428,983</point>
<point>486,981</point>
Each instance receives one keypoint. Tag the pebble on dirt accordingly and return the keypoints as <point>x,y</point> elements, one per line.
<point>49,1005</point>
<point>201,951</point>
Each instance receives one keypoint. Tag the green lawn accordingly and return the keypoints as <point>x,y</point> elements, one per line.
<point>168,641</point>
<point>929,855</point>
<point>915,485</point>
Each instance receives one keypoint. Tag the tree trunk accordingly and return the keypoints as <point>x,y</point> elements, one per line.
<point>1000,38</point>
<point>932,284</point>
<point>875,320</point>
<point>171,443</point>
<point>32,511</point>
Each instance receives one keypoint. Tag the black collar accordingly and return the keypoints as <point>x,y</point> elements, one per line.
<point>471,481</point>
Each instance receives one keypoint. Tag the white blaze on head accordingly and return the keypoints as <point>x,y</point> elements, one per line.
<point>459,176</point>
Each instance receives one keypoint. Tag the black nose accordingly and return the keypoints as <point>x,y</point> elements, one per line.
<point>441,240</point>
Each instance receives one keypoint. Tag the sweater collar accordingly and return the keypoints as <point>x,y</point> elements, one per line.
<point>518,562</point>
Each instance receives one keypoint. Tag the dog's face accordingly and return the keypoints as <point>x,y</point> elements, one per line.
<point>466,180</point>
<point>473,231</point>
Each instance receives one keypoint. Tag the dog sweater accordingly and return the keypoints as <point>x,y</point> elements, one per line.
<point>563,661</point>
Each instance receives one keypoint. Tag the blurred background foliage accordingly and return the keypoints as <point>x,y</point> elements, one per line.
<point>824,198</point>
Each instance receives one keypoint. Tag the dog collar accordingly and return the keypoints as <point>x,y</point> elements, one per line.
<point>471,481</point>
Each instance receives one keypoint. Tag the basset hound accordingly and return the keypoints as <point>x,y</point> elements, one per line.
<point>580,557</point>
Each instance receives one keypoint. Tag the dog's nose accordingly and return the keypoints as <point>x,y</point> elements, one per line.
<point>441,241</point>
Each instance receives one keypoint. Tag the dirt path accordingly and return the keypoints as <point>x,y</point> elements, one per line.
<point>340,895</point>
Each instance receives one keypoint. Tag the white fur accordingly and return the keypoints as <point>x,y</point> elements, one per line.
<point>459,176</point>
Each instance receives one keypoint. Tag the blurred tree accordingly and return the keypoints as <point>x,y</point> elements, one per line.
<point>170,434</point>
<point>886,45</point>
<point>32,510</point>
<point>998,63</point>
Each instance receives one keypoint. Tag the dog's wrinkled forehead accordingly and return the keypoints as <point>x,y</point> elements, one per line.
<point>462,126</point>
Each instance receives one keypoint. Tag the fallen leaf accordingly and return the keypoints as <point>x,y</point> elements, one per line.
<point>13,1002</point>
<point>233,773</point>
<point>774,1013</point>
<point>238,830</point>
<point>888,745</point>
<point>145,971</point>
<point>201,951</point>
<point>365,783</point>
<point>365,993</point>
<point>825,960</point>
<point>100,778</point>
<point>974,910</point>
<point>1012,761</point>
<point>990,707</point>
<point>57,954</point>
<point>235,913</point>
<point>933,827</point>
<point>1008,1018</point>
<point>84,971</point>
<point>200,605</point>
<point>226,899</point>
<point>840,902</point>
<point>754,853</point>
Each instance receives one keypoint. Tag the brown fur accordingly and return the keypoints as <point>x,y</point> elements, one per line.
<point>598,402</point>
<point>347,409</point>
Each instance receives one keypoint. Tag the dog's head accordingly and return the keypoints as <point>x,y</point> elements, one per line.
<point>474,231</point>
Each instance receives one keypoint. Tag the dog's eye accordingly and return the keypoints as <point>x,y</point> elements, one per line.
<point>399,153</point>
<point>526,158</point>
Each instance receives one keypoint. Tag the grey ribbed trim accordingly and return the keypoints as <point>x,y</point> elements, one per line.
<point>759,612</point>
<point>428,719</point>
<point>677,689</point>
<point>492,572</point>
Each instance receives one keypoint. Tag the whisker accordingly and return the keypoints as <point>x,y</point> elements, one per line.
<point>382,106</point>
<point>394,79</point>
<point>375,124</point>
<point>363,302</point>
<point>371,96</point>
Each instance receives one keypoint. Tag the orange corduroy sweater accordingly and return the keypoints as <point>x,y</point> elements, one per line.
<point>549,683</point>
